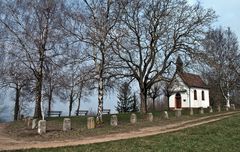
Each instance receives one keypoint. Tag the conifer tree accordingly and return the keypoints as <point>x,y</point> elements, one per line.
<point>135,103</point>
<point>125,99</point>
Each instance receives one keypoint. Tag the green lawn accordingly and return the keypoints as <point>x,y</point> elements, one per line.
<point>221,136</point>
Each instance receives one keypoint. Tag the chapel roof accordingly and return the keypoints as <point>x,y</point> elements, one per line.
<point>192,80</point>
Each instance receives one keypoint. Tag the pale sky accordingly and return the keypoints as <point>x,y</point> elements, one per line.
<point>228,12</point>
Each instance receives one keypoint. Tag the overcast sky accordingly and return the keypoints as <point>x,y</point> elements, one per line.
<point>228,12</point>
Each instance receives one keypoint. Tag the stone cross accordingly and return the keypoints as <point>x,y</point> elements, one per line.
<point>166,115</point>
<point>210,109</point>
<point>226,108</point>
<point>114,120</point>
<point>133,118</point>
<point>233,107</point>
<point>29,121</point>
<point>34,123</point>
<point>150,117</point>
<point>219,108</point>
<point>42,127</point>
<point>90,122</point>
<point>178,112</point>
<point>201,110</point>
<point>66,124</point>
<point>191,111</point>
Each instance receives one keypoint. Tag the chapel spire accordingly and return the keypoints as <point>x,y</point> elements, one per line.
<point>179,65</point>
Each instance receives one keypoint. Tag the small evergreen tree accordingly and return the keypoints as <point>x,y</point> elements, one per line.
<point>125,99</point>
<point>135,103</point>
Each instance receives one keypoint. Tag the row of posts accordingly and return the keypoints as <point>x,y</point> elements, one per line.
<point>41,125</point>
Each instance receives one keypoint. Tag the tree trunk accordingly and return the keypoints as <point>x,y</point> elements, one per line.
<point>50,94</point>
<point>168,100</point>
<point>100,86</point>
<point>49,106</point>
<point>49,102</point>
<point>38,95</point>
<point>70,103</point>
<point>153,104</point>
<point>228,99</point>
<point>38,90</point>
<point>17,102</point>
<point>100,100</point>
<point>143,95</point>
<point>226,95</point>
<point>79,101</point>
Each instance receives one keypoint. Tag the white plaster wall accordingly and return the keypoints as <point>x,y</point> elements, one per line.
<point>188,98</point>
<point>179,85</point>
<point>199,102</point>
<point>184,100</point>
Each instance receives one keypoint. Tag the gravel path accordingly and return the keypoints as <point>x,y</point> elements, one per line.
<point>6,143</point>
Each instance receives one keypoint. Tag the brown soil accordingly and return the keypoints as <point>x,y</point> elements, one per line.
<point>8,143</point>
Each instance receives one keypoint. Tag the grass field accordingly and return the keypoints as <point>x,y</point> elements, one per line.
<point>221,136</point>
<point>19,129</point>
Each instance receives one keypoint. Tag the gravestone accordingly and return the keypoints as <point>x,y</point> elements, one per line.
<point>178,112</point>
<point>210,109</point>
<point>133,118</point>
<point>201,110</point>
<point>114,120</point>
<point>150,117</point>
<point>34,123</point>
<point>90,122</point>
<point>66,124</point>
<point>42,127</point>
<point>166,115</point>
<point>29,121</point>
<point>232,106</point>
<point>191,111</point>
<point>226,108</point>
<point>219,108</point>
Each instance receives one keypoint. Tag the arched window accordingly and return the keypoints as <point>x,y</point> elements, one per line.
<point>203,97</point>
<point>195,94</point>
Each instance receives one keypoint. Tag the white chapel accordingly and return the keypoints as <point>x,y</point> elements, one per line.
<point>188,90</point>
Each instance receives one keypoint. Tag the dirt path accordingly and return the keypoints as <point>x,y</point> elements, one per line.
<point>6,143</point>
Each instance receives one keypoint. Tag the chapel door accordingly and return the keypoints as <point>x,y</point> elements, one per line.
<point>178,101</point>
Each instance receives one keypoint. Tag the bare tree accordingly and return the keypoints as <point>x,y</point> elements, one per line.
<point>16,78</point>
<point>155,92</point>
<point>35,36</point>
<point>221,56</point>
<point>153,33</point>
<point>96,24</point>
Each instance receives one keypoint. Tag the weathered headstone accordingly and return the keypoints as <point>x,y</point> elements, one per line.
<point>42,127</point>
<point>201,110</point>
<point>114,120</point>
<point>66,124</point>
<point>133,118</point>
<point>232,106</point>
<point>191,111</point>
<point>150,117</point>
<point>90,122</point>
<point>166,115</point>
<point>178,112</point>
<point>219,108</point>
<point>34,123</point>
<point>29,121</point>
<point>210,109</point>
<point>226,108</point>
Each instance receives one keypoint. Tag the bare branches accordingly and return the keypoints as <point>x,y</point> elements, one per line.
<point>156,32</point>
